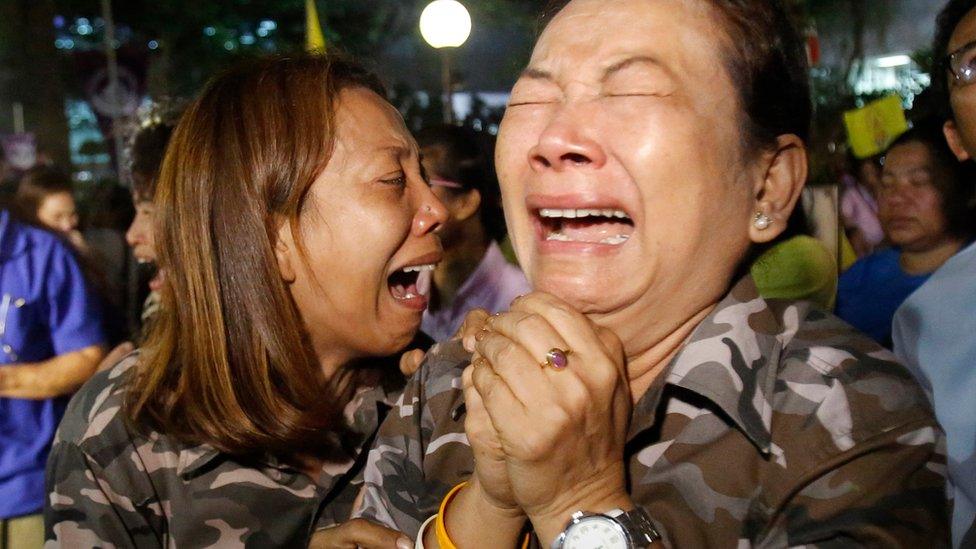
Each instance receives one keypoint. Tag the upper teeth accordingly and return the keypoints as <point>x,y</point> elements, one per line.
<point>574,213</point>
<point>420,268</point>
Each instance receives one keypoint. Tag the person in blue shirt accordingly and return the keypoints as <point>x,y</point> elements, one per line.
<point>50,343</point>
<point>934,331</point>
<point>920,197</point>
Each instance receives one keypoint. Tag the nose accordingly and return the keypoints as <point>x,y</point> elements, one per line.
<point>431,213</point>
<point>565,145</point>
<point>132,234</point>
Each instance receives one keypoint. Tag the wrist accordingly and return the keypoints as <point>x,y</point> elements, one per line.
<point>552,520</point>
<point>472,519</point>
<point>485,503</point>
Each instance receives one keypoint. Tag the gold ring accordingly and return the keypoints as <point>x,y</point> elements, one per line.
<point>557,358</point>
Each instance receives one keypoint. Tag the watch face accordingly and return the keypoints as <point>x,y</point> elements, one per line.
<point>595,533</point>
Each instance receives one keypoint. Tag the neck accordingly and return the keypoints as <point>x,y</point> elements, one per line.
<point>458,264</point>
<point>645,366</point>
<point>929,260</point>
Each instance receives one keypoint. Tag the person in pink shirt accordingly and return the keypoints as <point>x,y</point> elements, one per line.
<point>859,206</point>
<point>474,273</point>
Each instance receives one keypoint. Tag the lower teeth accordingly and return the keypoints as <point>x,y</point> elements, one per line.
<point>611,240</point>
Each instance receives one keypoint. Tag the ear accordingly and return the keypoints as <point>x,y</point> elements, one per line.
<point>467,205</point>
<point>955,140</point>
<point>285,252</point>
<point>780,188</point>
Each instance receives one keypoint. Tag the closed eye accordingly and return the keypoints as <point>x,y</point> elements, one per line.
<point>638,94</point>
<point>527,103</point>
<point>398,180</point>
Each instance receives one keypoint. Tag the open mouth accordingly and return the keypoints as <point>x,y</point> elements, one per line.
<point>148,269</point>
<point>411,285</point>
<point>609,227</point>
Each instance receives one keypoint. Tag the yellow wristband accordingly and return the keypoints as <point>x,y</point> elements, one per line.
<point>440,528</point>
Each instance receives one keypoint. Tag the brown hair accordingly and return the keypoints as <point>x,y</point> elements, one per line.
<point>36,185</point>
<point>228,362</point>
<point>766,58</point>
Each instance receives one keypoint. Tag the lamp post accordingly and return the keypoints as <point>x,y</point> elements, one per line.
<point>445,25</point>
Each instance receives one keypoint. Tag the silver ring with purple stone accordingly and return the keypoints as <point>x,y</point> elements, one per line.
<point>557,359</point>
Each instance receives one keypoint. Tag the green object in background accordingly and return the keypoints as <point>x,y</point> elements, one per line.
<point>800,268</point>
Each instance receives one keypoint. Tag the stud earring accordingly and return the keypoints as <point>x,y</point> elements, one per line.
<point>762,221</point>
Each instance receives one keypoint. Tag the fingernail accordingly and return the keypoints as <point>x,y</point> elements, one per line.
<point>468,343</point>
<point>404,543</point>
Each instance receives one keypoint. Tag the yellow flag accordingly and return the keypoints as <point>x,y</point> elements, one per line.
<point>314,39</point>
<point>872,128</point>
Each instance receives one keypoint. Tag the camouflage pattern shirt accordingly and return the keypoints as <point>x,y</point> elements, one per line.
<point>776,425</point>
<point>109,486</point>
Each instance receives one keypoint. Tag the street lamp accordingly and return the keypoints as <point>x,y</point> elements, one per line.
<point>446,24</point>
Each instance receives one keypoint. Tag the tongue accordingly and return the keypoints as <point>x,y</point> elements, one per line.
<point>590,230</point>
<point>419,285</point>
<point>401,291</point>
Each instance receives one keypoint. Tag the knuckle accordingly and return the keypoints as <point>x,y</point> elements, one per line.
<point>508,354</point>
<point>526,321</point>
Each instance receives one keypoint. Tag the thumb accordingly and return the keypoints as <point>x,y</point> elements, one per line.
<point>410,361</point>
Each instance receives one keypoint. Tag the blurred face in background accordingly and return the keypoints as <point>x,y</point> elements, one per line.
<point>910,206</point>
<point>141,238</point>
<point>57,212</point>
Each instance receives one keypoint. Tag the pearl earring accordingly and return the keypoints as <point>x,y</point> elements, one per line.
<point>762,221</point>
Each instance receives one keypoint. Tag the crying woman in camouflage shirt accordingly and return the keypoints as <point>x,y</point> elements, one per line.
<point>297,237</point>
<point>646,394</point>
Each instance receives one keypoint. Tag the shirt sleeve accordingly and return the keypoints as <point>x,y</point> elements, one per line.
<point>421,451</point>
<point>393,478</point>
<point>892,493</point>
<point>83,510</point>
<point>74,312</point>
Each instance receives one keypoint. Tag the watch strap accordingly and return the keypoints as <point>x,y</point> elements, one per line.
<point>638,525</point>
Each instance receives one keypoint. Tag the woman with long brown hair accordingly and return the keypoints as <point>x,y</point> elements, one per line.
<point>297,233</point>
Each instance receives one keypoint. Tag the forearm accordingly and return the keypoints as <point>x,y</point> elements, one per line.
<point>54,377</point>
<point>474,522</point>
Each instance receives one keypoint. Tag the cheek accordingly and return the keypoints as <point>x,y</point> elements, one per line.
<point>929,204</point>
<point>519,132</point>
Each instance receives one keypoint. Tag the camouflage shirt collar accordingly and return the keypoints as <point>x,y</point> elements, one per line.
<point>369,407</point>
<point>731,359</point>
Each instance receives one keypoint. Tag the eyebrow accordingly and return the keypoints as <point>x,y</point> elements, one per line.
<point>398,151</point>
<point>536,74</point>
<point>533,73</point>
<point>629,62</point>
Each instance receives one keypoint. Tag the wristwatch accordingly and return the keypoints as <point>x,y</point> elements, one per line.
<point>616,529</point>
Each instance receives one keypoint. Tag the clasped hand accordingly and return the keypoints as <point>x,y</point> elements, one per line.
<point>546,441</point>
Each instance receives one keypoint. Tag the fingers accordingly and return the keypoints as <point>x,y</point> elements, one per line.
<point>515,365</point>
<point>359,533</point>
<point>410,361</point>
<point>499,401</point>
<point>531,330</point>
<point>473,323</point>
<point>571,324</point>
<point>477,422</point>
<point>597,357</point>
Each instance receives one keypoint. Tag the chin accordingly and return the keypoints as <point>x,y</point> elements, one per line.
<point>587,294</point>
